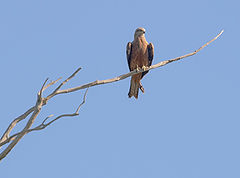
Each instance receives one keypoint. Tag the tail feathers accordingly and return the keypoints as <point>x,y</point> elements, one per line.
<point>134,88</point>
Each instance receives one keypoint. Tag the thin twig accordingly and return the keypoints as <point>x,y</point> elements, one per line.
<point>84,99</point>
<point>51,83</point>
<point>65,81</point>
<point>40,92</point>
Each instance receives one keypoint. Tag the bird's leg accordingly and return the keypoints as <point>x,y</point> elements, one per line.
<point>141,87</point>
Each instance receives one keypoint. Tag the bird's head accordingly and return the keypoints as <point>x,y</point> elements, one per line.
<point>139,32</point>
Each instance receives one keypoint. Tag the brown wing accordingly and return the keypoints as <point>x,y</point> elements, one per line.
<point>150,53</point>
<point>129,54</point>
<point>150,49</point>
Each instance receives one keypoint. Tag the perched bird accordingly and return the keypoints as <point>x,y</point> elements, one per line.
<point>139,54</point>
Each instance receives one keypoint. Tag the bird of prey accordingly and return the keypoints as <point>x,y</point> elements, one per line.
<point>139,54</point>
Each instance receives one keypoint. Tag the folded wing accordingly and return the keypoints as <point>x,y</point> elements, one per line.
<point>150,49</point>
<point>129,54</point>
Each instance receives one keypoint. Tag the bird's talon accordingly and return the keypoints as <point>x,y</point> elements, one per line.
<point>138,68</point>
<point>144,68</point>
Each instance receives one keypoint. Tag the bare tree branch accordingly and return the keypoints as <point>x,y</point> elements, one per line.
<point>52,83</point>
<point>15,138</point>
<point>76,113</point>
<point>16,134</point>
<point>43,125</point>
<point>13,124</point>
<point>41,101</point>
<point>35,113</point>
<point>121,77</point>
<point>56,90</point>
<point>41,91</point>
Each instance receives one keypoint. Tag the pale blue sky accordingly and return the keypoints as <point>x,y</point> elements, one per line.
<point>186,125</point>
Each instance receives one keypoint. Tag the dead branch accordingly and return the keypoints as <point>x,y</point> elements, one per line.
<point>43,125</point>
<point>41,101</point>
<point>52,83</point>
<point>35,110</point>
<point>13,124</point>
<point>121,77</point>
